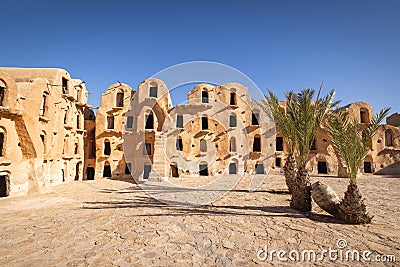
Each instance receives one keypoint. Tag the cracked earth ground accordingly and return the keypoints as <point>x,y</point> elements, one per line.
<point>114,223</point>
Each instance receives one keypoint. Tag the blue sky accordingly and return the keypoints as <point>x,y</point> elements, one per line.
<point>354,46</point>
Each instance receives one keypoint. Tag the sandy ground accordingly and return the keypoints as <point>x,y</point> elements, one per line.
<point>107,222</point>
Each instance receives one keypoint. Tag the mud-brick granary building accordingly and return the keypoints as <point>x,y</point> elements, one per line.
<point>217,132</point>
<point>383,157</point>
<point>41,129</point>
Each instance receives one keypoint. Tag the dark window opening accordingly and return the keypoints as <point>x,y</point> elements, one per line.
<point>110,122</point>
<point>257,144</point>
<point>203,145</point>
<point>2,93</point>
<point>232,120</point>
<point>76,148</point>
<point>107,148</point>
<point>120,99</point>
<point>255,118</point>
<point>204,123</point>
<point>65,117</point>
<point>232,146</point>
<point>322,168</point>
<point>129,122</point>
<point>179,121</point>
<point>2,140</point>
<point>278,162</point>
<point>128,167</point>
<point>259,168</point>
<point>279,144</point>
<point>4,190</point>
<point>367,167</point>
<point>364,116</point>
<point>313,145</point>
<point>77,171</point>
<point>64,86</point>
<point>90,173</point>
<point>174,170</point>
<point>204,97</point>
<point>232,99</point>
<point>147,148</point>
<point>388,138</point>
<point>203,169</point>
<point>78,122</point>
<point>232,168</point>
<point>43,106</point>
<point>107,171</point>
<point>153,91</point>
<point>179,144</point>
<point>146,171</point>
<point>149,121</point>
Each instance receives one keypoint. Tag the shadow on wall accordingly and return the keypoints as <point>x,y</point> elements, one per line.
<point>392,169</point>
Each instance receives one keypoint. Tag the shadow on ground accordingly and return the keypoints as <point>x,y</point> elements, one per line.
<point>151,207</point>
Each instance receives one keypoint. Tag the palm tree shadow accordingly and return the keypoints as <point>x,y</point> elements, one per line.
<point>151,207</point>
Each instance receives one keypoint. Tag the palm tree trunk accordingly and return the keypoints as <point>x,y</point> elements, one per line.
<point>289,170</point>
<point>352,209</point>
<point>301,194</point>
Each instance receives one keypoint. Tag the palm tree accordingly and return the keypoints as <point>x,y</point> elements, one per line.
<point>352,147</point>
<point>286,128</point>
<point>306,115</point>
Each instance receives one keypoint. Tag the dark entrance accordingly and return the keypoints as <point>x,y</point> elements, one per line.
<point>174,170</point>
<point>278,162</point>
<point>107,171</point>
<point>3,186</point>
<point>77,172</point>
<point>279,144</point>
<point>146,172</point>
<point>90,173</point>
<point>203,168</point>
<point>204,123</point>
<point>149,121</point>
<point>367,167</point>
<point>259,168</point>
<point>1,144</point>
<point>232,168</point>
<point>322,169</point>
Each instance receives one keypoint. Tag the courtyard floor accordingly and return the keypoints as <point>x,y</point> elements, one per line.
<point>114,223</point>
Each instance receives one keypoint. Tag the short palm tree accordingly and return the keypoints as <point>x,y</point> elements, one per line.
<point>351,147</point>
<point>286,128</point>
<point>306,116</point>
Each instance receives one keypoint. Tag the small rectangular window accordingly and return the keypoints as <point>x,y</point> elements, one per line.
<point>149,121</point>
<point>233,99</point>
<point>107,148</point>
<point>254,118</point>
<point>232,121</point>
<point>110,122</point>
<point>179,121</point>
<point>179,144</point>
<point>278,162</point>
<point>129,122</point>
<point>64,86</point>
<point>279,144</point>
<point>153,91</point>
<point>128,167</point>
<point>257,144</point>
<point>147,149</point>
<point>204,123</point>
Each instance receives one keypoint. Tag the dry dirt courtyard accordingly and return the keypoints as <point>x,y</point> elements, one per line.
<point>114,223</point>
